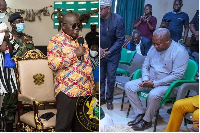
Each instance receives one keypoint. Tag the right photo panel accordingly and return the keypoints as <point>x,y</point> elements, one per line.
<point>149,65</point>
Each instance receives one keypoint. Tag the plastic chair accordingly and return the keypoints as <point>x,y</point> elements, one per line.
<point>136,64</point>
<point>126,57</point>
<point>188,78</point>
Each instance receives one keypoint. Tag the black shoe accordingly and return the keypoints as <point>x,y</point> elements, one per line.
<point>110,106</point>
<point>137,119</point>
<point>102,102</point>
<point>9,127</point>
<point>142,125</point>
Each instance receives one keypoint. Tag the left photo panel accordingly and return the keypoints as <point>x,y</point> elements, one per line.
<point>49,60</point>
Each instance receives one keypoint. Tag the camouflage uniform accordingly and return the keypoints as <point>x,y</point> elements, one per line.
<point>10,99</point>
<point>25,43</point>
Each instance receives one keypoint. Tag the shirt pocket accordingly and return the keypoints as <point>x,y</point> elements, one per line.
<point>167,66</point>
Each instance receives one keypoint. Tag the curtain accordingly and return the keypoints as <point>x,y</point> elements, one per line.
<point>129,10</point>
<point>113,6</point>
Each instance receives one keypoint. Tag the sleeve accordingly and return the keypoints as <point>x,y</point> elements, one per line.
<point>120,36</point>
<point>146,65</point>
<point>137,20</point>
<point>186,21</point>
<point>153,23</point>
<point>14,45</point>
<point>179,67</point>
<point>56,59</point>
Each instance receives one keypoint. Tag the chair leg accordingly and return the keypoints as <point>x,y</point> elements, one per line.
<point>185,122</point>
<point>129,108</point>
<point>123,101</point>
<point>154,130</point>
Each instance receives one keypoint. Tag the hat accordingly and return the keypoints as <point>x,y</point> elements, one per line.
<point>105,2</point>
<point>14,16</point>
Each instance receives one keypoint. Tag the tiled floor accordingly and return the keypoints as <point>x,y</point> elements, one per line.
<point>119,117</point>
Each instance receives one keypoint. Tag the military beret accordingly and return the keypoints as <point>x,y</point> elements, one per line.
<point>14,16</point>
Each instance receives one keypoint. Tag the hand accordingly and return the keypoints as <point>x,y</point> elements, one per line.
<point>3,46</point>
<point>147,83</point>
<point>80,51</point>
<point>148,18</point>
<point>6,37</point>
<point>197,35</point>
<point>142,18</point>
<point>102,52</point>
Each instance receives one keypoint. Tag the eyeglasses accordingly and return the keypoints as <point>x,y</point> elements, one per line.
<point>76,25</point>
<point>3,12</point>
<point>101,9</point>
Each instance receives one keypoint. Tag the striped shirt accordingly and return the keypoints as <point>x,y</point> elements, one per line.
<point>8,81</point>
<point>71,77</point>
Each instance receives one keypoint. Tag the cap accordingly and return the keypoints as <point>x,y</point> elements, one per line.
<point>14,16</point>
<point>105,2</point>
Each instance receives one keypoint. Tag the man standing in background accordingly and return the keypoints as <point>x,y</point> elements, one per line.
<point>178,20</point>
<point>112,32</point>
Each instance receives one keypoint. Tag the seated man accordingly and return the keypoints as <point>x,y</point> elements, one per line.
<point>179,109</point>
<point>165,62</point>
<point>139,43</point>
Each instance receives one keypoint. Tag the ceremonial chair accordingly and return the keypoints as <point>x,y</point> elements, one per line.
<point>188,78</point>
<point>36,91</point>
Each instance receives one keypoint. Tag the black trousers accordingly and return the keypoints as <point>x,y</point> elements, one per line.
<point>66,119</point>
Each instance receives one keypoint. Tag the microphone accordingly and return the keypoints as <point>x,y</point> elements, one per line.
<point>81,42</point>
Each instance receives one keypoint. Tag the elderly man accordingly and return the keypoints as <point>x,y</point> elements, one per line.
<point>179,20</point>
<point>25,41</point>
<point>72,70</point>
<point>165,62</point>
<point>112,31</point>
<point>139,43</point>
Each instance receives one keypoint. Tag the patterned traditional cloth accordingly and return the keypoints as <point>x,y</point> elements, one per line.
<point>71,77</point>
<point>7,75</point>
<point>95,62</point>
<point>25,42</point>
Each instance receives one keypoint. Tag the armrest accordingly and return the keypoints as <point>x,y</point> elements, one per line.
<point>26,99</point>
<point>176,84</point>
<point>185,88</point>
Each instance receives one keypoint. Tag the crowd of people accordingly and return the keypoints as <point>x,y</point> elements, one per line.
<point>75,64</point>
<point>166,60</point>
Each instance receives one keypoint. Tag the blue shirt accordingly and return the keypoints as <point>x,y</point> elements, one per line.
<point>178,20</point>
<point>112,32</point>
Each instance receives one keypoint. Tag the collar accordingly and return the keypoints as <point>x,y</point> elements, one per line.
<point>177,12</point>
<point>138,43</point>
<point>68,37</point>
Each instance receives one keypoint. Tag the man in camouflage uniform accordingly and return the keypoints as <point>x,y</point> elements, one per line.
<point>25,42</point>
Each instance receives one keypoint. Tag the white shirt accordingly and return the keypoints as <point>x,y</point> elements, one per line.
<point>138,47</point>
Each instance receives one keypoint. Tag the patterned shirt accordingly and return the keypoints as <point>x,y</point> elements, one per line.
<point>71,77</point>
<point>25,43</point>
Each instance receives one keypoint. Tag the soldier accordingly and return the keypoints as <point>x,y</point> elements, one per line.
<point>25,41</point>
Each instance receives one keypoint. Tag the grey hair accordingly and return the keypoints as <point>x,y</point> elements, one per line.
<point>160,32</point>
<point>136,32</point>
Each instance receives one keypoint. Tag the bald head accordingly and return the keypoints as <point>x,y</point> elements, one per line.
<point>161,39</point>
<point>71,25</point>
<point>162,33</point>
<point>3,5</point>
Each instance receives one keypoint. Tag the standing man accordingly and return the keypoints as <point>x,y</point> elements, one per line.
<point>194,28</point>
<point>73,78</point>
<point>25,41</point>
<point>112,38</point>
<point>8,83</point>
<point>165,62</point>
<point>92,37</point>
<point>179,20</point>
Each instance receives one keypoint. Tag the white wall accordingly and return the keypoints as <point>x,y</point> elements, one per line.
<point>160,7</point>
<point>42,31</point>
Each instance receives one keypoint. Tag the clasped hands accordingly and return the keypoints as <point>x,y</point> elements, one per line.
<point>104,52</point>
<point>147,83</point>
